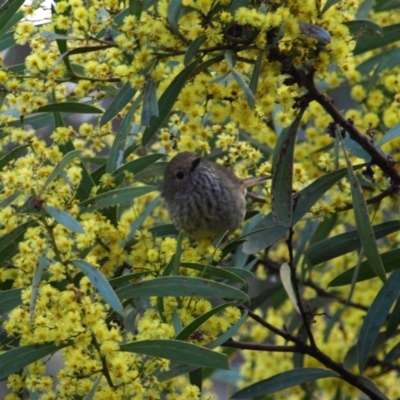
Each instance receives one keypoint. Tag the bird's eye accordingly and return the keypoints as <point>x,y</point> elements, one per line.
<point>180,175</point>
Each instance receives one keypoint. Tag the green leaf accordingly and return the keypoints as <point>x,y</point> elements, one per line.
<point>15,236</point>
<point>391,262</point>
<point>376,316</point>
<point>371,385</point>
<point>338,245</point>
<point>385,63</point>
<point>393,354</point>
<point>69,107</point>
<point>7,41</point>
<point>60,167</point>
<point>194,325</point>
<point>282,177</point>
<point>180,286</point>
<point>193,49</point>
<point>11,156</point>
<point>229,333</point>
<point>9,299</point>
<point>328,5</point>
<point>8,200</point>
<point>114,197</point>
<point>175,369</point>
<point>385,5</point>
<point>231,274</point>
<point>177,350</point>
<point>92,391</point>
<point>167,101</point>
<point>284,380</point>
<point>115,282</point>
<point>13,360</point>
<point>135,225</point>
<point>364,9</point>
<point>242,83</point>
<point>116,155</point>
<point>64,219</point>
<point>173,11</point>
<point>256,73</point>
<point>43,263</point>
<point>365,231</point>
<point>7,11</point>
<point>135,166</point>
<point>365,43</point>
<point>52,35</point>
<point>394,320</point>
<point>150,106</point>
<point>360,27</point>
<point>286,274</point>
<point>390,135</point>
<point>135,8</point>
<point>101,284</point>
<point>118,103</point>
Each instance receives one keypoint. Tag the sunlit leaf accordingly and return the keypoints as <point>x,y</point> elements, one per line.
<point>101,284</point>
<point>180,286</point>
<point>285,274</point>
<point>64,219</point>
<point>69,107</point>
<point>177,350</point>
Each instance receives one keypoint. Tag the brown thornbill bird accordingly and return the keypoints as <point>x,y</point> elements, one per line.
<point>204,199</point>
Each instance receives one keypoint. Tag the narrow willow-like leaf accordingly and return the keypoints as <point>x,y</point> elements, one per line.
<point>116,155</point>
<point>150,106</point>
<point>8,200</point>
<point>135,8</point>
<point>7,11</point>
<point>69,107</point>
<point>255,76</point>
<point>229,333</point>
<point>101,284</point>
<point>175,369</point>
<point>135,166</point>
<point>43,263</point>
<point>365,27</point>
<point>64,219</point>
<point>194,325</point>
<point>284,380</point>
<point>167,100</point>
<point>173,11</point>
<point>123,97</point>
<point>328,5</point>
<point>338,245</point>
<point>390,135</point>
<point>12,155</point>
<point>9,299</point>
<point>390,260</point>
<point>92,391</point>
<point>66,160</point>
<point>13,360</point>
<point>135,225</point>
<point>393,354</point>
<point>282,177</point>
<point>286,274</point>
<point>366,43</point>
<point>177,350</point>
<point>180,286</point>
<point>193,49</point>
<point>364,228</point>
<point>229,273</point>
<point>376,317</point>
<point>242,83</point>
<point>114,197</point>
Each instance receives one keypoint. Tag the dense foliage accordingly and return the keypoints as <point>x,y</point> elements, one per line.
<point>93,271</point>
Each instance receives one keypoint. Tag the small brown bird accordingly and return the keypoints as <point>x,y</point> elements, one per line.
<point>204,199</point>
